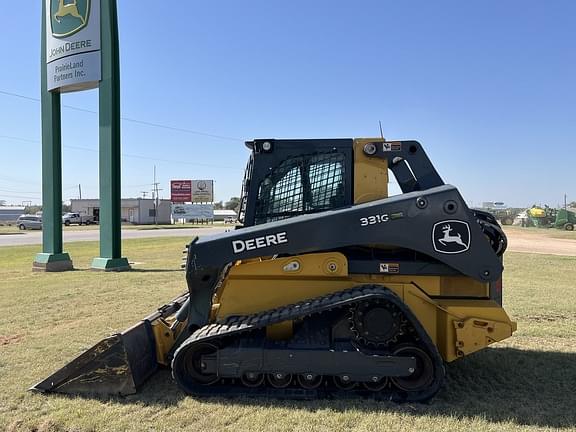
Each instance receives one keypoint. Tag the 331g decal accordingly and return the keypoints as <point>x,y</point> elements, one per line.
<point>380,218</point>
<point>374,219</point>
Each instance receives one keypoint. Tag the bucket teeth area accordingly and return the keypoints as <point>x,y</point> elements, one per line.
<point>116,365</point>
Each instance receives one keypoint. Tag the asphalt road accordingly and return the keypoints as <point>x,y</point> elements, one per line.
<point>35,237</point>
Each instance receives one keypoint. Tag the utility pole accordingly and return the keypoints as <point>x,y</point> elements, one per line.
<point>80,190</point>
<point>155,197</point>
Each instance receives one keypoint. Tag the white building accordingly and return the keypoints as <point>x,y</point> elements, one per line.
<point>139,211</point>
<point>220,215</point>
<point>10,213</point>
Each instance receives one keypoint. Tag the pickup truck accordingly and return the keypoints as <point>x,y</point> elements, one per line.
<point>77,218</point>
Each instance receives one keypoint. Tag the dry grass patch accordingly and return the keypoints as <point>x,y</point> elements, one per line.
<point>526,383</point>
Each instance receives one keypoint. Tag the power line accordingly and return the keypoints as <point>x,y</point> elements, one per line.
<point>132,120</point>
<point>13,180</point>
<point>150,158</point>
<point>19,139</point>
<point>20,196</point>
<point>17,191</point>
<point>128,155</point>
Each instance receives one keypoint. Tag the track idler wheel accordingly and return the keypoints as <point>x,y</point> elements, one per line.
<point>190,366</point>
<point>423,375</point>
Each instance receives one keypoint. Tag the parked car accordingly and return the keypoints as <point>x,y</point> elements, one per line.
<point>25,222</point>
<point>77,218</point>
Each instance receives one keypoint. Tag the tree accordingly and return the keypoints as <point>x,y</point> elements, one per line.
<point>233,204</point>
<point>2,202</point>
<point>218,205</point>
<point>32,209</point>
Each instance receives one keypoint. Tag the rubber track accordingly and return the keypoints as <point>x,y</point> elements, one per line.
<point>237,325</point>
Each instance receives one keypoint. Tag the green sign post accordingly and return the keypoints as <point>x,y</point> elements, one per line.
<point>80,52</point>
<point>110,184</point>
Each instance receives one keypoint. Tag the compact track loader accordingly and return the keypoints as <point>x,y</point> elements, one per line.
<point>329,287</point>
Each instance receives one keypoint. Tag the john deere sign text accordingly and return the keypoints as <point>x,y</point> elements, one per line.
<point>73,44</point>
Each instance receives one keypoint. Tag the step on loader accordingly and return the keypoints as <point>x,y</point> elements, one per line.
<point>329,287</point>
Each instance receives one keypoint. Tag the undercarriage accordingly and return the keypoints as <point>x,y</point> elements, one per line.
<point>360,341</point>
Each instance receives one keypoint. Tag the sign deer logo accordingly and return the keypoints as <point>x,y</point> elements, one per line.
<point>68,16</point>
<point>68,9</point>
<point>451,237</point>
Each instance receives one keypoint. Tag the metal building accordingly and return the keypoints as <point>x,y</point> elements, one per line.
<point>10,213</point>
<point>139,211</point>
<point>220,215</point>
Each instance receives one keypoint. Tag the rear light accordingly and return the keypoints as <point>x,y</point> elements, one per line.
<point>498,286</point>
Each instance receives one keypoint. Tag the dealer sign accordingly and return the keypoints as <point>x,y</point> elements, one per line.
<point>73,44</point>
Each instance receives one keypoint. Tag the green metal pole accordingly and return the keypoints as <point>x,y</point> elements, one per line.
<point>110,163</point>
<point>52,257</point>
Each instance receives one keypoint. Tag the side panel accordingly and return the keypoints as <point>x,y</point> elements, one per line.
<point>409,221</point>
<point>453,324</point>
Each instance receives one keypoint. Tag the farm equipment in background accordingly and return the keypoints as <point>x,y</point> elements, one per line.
<point>329,287</point>
<point>503,214</point>
<point>547,217</point>
<point>541,217</point>
<point>565,219</point>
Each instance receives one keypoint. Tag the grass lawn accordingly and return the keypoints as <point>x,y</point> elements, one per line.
<point>6,229</point>
<point>525,383</point>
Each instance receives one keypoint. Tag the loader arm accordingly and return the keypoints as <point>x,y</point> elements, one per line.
<point>382,222</point>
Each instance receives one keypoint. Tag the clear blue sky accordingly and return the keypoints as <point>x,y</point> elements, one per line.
<point>489,88</point>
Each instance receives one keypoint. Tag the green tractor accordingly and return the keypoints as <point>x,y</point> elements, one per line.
<point>565,219</point>
<point>548,217</point>
<point>542,217</point>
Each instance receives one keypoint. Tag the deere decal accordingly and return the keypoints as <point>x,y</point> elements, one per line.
<point>68,16</point>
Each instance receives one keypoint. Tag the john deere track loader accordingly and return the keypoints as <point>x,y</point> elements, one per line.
<point>330,286</point>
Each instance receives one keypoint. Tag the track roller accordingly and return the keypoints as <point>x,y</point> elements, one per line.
<point>309,381</point>
<point>279,379</point>
<point>252,379</point>
<point>377,384</point>
<point>343,382</point>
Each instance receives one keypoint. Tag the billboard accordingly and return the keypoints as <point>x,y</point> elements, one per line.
<point>494,205</point>
<point>202,191</point>
<point>181,190</point>
<point>192,211</point>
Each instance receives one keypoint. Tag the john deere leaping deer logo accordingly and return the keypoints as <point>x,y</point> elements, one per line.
<point>451,236</point>
<point>68,16</point>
